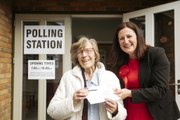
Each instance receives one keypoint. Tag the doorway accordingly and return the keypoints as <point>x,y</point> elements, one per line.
<point>31,97</point>
<point>100,27</point>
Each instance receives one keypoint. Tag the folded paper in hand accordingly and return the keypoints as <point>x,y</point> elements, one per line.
<point>98,94</point>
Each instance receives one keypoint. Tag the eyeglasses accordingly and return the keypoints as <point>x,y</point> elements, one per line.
<point>87,51</point>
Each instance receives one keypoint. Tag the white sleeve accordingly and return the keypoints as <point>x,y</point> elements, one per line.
<point>114,82</point>
<point>61,106</point>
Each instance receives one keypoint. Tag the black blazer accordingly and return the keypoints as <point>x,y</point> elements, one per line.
<point>154,71</point>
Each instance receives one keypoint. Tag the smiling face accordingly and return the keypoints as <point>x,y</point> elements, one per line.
<point>128,41</point>
<point>86,56</point>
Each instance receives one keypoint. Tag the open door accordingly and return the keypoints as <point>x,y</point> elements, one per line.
<point>31,96</point>
<point>160,26</point>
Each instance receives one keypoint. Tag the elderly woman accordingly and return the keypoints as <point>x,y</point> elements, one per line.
<point>69,100</point>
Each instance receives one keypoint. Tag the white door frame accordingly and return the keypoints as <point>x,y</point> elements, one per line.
<point>149,21</point>
<point>18,61</point>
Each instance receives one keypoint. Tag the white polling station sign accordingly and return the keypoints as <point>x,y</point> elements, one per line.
<point>41,69</point>
<point>42,39</point>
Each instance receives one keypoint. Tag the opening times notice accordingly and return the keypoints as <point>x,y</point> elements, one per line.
<point>41,69</point>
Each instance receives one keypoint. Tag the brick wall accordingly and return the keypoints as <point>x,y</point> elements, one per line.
<point>84,6</point>
<point>5,61</point>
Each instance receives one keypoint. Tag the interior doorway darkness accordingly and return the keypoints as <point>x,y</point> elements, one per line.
<point>100,28</point>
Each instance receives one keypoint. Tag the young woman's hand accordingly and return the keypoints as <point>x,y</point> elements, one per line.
<point>123,93</point>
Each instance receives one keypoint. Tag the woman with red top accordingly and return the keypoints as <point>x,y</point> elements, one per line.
<point>144,73</point>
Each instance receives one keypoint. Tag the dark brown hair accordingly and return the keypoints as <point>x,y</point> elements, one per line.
<point>120,56</point>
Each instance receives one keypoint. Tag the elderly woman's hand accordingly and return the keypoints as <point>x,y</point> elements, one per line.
<point>80,95</point>
<point>111,106</point>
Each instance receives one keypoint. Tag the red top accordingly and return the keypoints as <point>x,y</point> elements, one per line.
<point>135,111</point>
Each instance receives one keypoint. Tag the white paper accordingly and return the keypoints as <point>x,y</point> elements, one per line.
<point>99,94</point>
